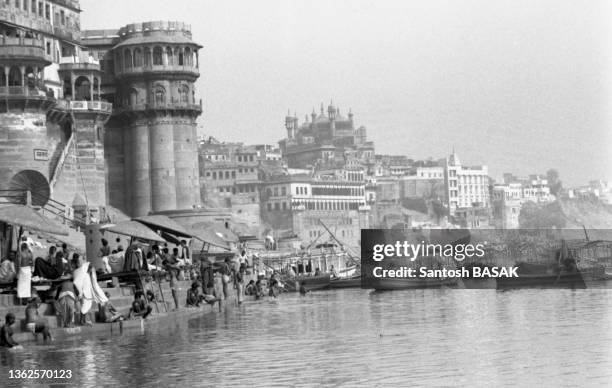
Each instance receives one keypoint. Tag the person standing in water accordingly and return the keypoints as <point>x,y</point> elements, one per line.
<point>6,333</point>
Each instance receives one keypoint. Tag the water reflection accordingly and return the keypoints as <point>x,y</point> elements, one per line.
<point>358,337</point>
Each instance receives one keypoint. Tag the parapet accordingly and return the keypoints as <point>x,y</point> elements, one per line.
<point>136,29</point>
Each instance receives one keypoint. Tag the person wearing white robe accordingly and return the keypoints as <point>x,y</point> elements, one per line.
<point>86,283</point>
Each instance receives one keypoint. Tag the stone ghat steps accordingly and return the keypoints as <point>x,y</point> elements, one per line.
<point>121,297</point>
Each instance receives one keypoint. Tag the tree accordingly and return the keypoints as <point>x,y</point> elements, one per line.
<point>554,183</point>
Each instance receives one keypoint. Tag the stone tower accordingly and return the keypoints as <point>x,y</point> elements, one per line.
<point>51,115</point>
<point>151,141</point>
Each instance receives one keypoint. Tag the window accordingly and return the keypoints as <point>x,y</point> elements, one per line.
<point>233,174</point>
<point>214,175</point>
<point>63,17</point>
<point>33,7</point>
<point>17,5</point>
<point>183,94</point>
<point>227,175</point>
<point>160,96</point>
<point>157,56</point>
<point>283,191</point>
<point>137,57</point>
<point>48,11</point>
<point>48,48</point>
<point>276,206</point>
<point>269,206</point>
<point>169,56</point>
<point>284,206</point>
<point>40,8</point>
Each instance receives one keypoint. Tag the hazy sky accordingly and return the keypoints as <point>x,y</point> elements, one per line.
<point>519,85</point>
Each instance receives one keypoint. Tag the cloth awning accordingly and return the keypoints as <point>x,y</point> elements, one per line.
<point>134,229</point>
<point>209,236</point>
<point>31,219</point>
<point>164,224</point>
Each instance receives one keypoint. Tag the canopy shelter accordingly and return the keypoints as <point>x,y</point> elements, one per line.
<point>30,219</point>
<point>134,229</point>
<point>209,236</point>
<point>165,225</point>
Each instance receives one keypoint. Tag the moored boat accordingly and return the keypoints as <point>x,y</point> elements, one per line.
<point>388,284</point>
<point>348,282</point>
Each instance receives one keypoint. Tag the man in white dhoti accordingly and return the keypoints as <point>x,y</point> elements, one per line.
<point>24,275</point>
<point>86,283</point>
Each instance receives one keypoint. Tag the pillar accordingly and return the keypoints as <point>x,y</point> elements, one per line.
<point>138,180</point>
<point>163,178</point>
<point>23,84</point>
<point>72,86</point>
<point>186,166</point>
<point>91,87</point>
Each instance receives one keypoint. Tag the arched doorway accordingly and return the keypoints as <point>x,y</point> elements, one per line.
<point>32,181</point>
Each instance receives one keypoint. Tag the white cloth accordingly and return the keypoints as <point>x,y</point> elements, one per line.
<point>24,282</point>
<point>88,288</point>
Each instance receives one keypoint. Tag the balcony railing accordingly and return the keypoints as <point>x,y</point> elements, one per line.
<point>99,106</point>
<point>21,91</point>
<point>82,58</point>
<point>162,106</point>
<point>158,69</point>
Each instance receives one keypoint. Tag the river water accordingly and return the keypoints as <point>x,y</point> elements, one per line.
<point>357,337</point>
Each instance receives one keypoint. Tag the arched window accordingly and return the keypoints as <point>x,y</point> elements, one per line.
<point>133,97</point>
<point>15,76</point>
<point>181,58</point>
<point>183,94</point>
<point>83,89</point>
<point>157,56</point>
<point>169,56</point>
<point>160,96</point>
<point>137,57</point>
<point>147,56</point>
<point>188,57</point>
<point>2,77</point>
<point>127,59</point>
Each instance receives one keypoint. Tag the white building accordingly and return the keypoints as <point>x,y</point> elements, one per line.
<point>466,187</point>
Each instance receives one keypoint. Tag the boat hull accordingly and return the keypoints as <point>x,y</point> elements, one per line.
<point>352,282</point>
<point>313,283</point>
<point>384,284</point>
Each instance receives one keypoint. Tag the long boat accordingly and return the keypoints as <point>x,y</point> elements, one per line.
<point>311,283</point>
<point>388,284</point>
<point>347,282</point>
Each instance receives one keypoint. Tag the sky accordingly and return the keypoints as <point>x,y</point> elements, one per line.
<point>519,85</point>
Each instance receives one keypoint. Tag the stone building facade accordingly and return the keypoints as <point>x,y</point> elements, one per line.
<point>52,117</point>
<point>151,139</point>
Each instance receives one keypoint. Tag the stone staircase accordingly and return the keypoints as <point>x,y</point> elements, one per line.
<point>121,297</point>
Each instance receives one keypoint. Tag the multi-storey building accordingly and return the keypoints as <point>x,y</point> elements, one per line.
<point>301,202</point>
<point>151,140</point>
<point>52,117</point>
<point>325,139</point>
<point>507,199</point>
<point>466,187</point>
<point>229,177</point>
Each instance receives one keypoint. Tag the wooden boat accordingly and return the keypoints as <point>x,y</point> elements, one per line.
<point>311,283</point>
<point>387,284</point>
<point>348,282</point>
